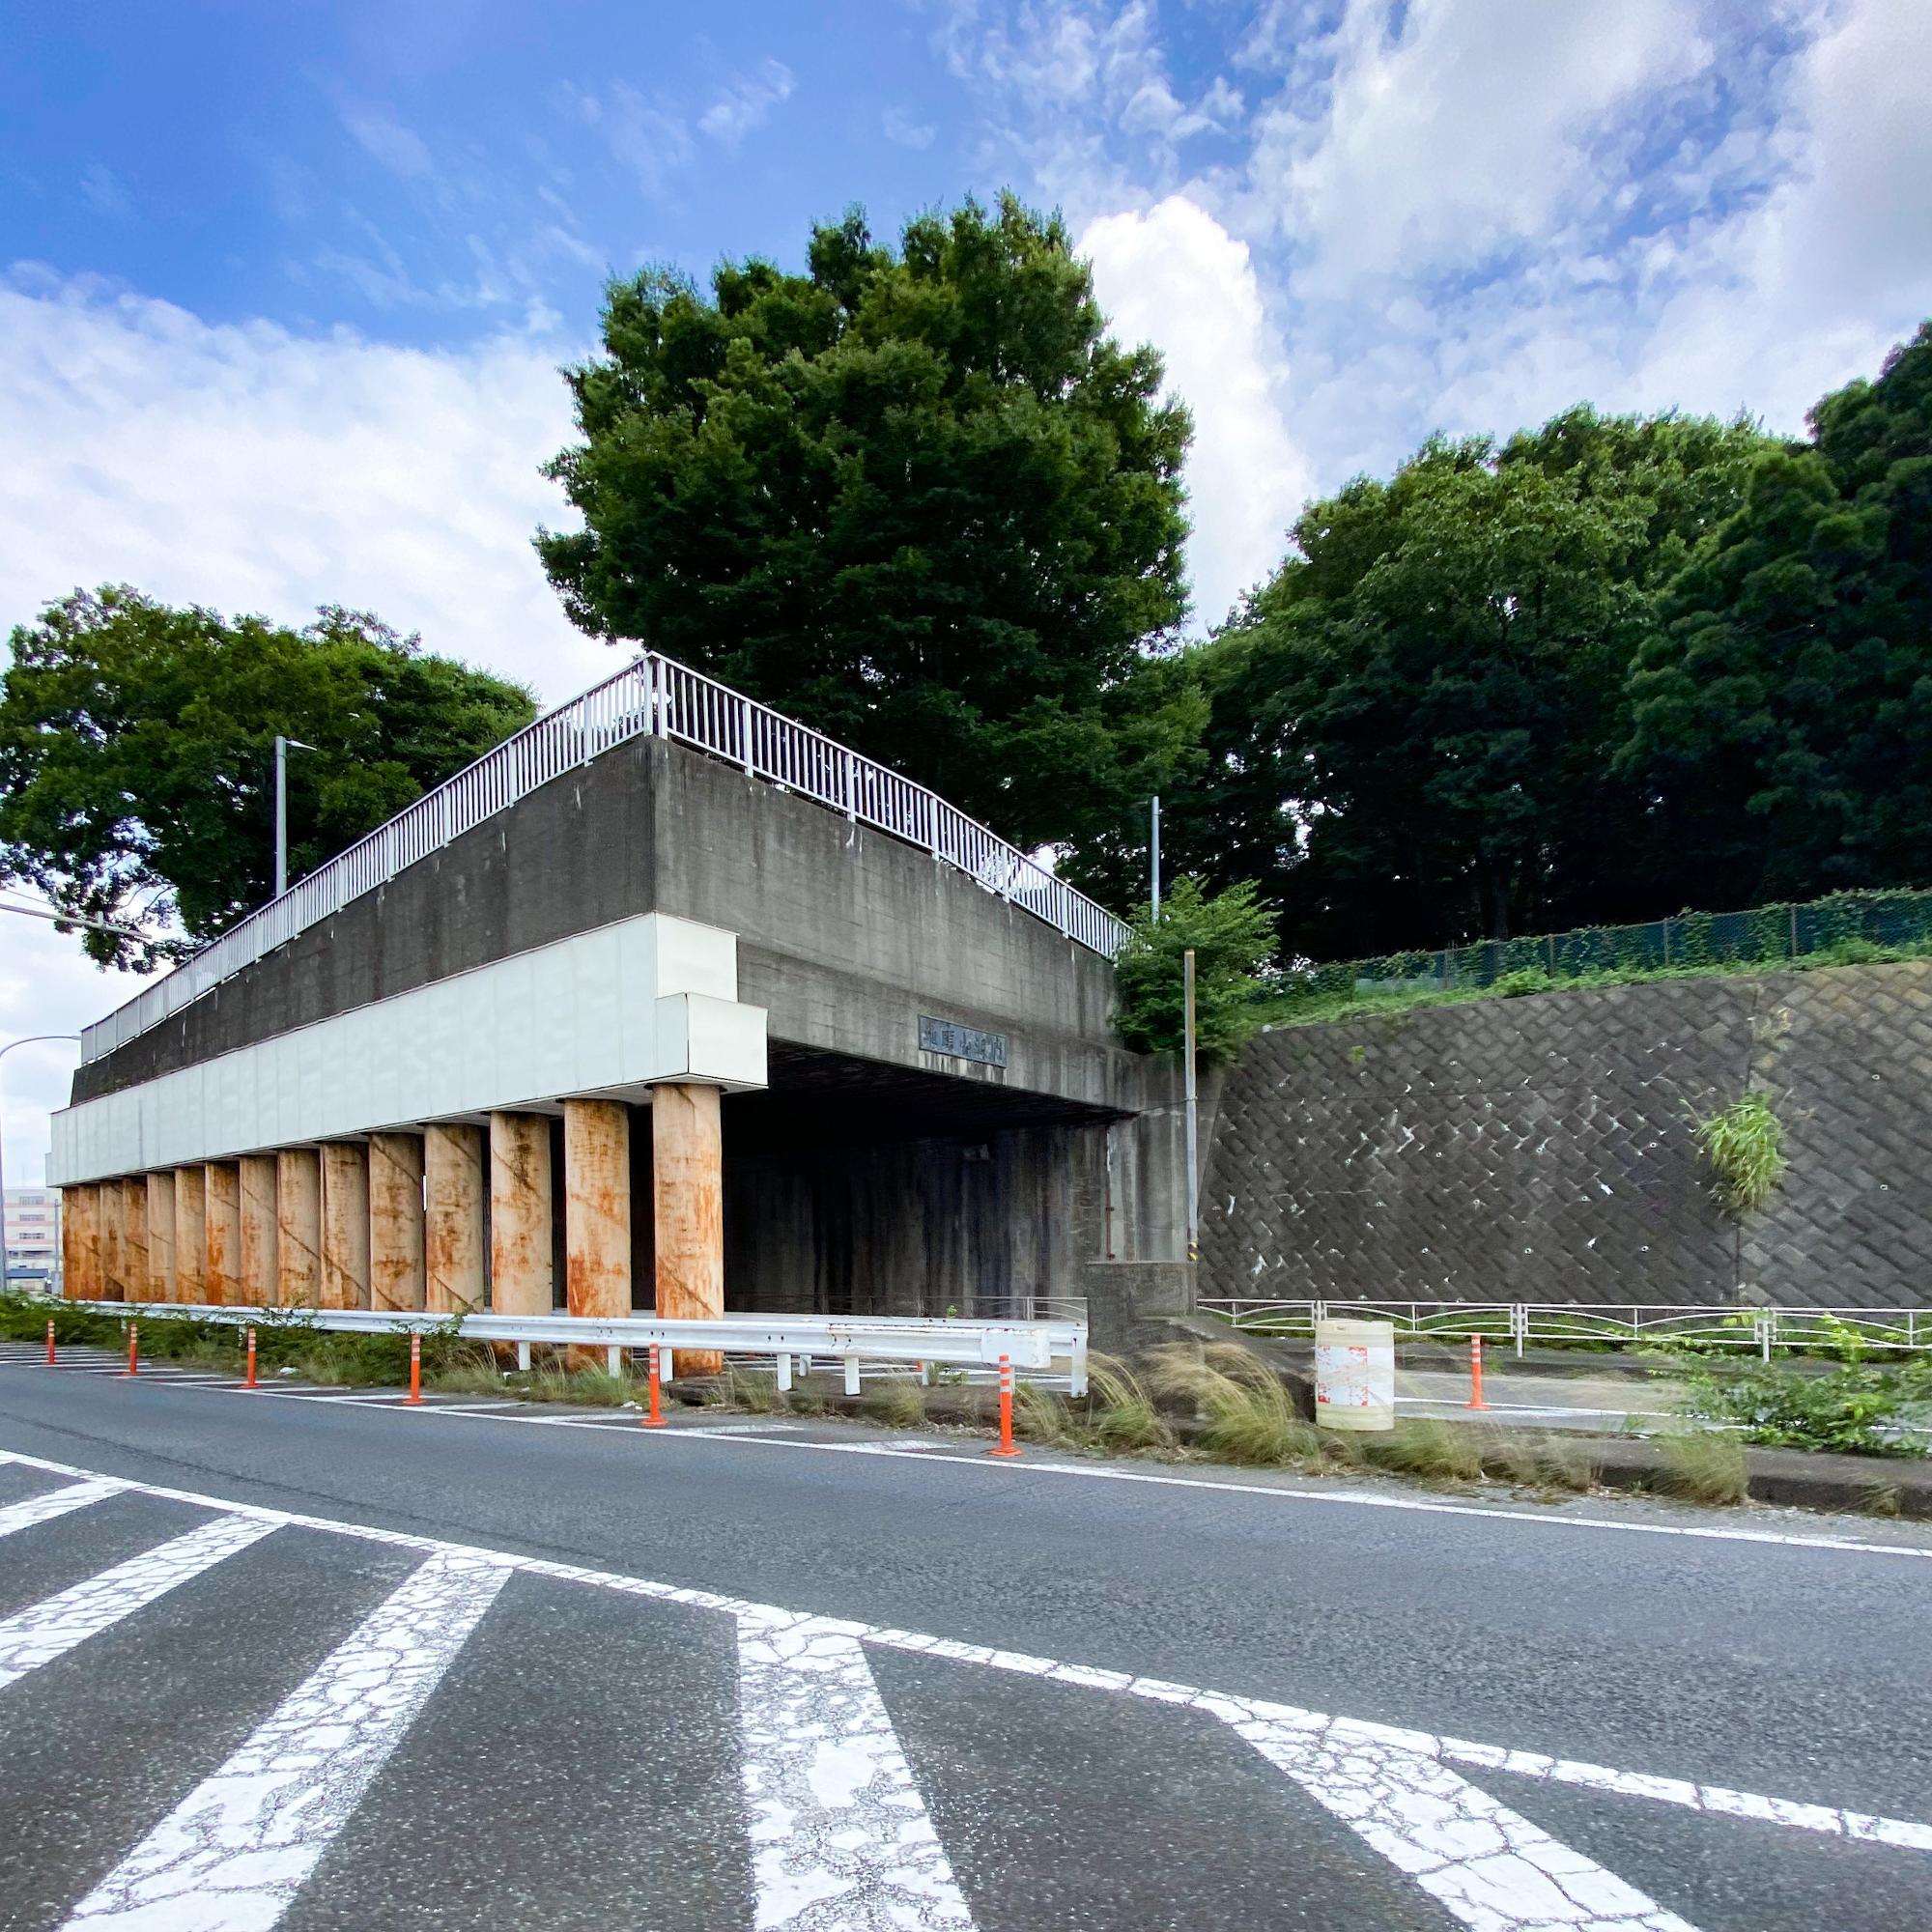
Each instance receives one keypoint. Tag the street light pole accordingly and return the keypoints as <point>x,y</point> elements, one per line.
<point>1193,1116</point>
<point>31,1039</point>
<point>1153,855</point>
<point>282,749</point>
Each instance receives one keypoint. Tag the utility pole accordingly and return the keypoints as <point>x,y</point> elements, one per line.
<point>282,749</point>
<point>1193,1125</point>
<point>1153,848</point>
<point>31,1039</point>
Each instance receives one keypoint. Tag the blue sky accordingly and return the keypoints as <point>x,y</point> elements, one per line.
<point>284,287</point>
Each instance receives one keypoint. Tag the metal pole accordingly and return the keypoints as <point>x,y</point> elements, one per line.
<point>1193,1124</point>
<point>281,814</point>
<point>28,1040</point>
<point>1153,848</point>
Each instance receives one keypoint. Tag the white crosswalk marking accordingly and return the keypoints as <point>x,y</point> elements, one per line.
<point>840,1840</point>
<point>50,1503</point>
<point>1487,1865</point>
<point>48,1630</point>
<point>233,1854</point>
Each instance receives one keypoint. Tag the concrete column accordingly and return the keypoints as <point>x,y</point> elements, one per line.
<point>80,1243</point>
<point>395,1221</point>
<point>160,1188</point>
<point>135,1238</point>
<point>113,1266</point>
<point>453,1218</point>
<point>597,1207</point>
<point>688,1210</point>
<point>345,1224</point>
<point>222,1205</point>
<point>261,1271</point>
<point>521,1278</point>
<point>299,1228</point>
<point>190,1235</point>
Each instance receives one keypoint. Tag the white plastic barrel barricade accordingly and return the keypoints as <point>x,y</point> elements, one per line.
<point>1354,1375</point>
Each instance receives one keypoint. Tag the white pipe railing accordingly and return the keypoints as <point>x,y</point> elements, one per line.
<point>849,1339</point>
<point>651,695</point>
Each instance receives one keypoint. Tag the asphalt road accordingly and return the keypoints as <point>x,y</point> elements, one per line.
<point>325,1662</point>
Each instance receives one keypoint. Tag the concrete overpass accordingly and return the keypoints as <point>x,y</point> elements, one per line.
<point>872,1042</point>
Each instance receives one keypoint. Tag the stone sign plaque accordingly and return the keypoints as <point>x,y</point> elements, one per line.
<point>962,1042</point>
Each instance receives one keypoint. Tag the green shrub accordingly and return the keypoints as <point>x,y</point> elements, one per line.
<point>1745,1145</point>
<point>1231,935</point>
<point>1856,1409</point>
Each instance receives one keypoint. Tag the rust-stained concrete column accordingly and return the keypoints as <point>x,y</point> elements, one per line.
<point>299,1228</point>
<point>134,1283</point>
<point>190,1235</point>
<point>113,1266</point>
<point>453,1218</point>
<point>223,1206</point>
<point>521,1279</point>
<point>80,1243</point>
<point>345,1224</point>
<point>160,1189</point>
<point>395,1221</point>
<point>261,1274</point>
<point>597,1209</point>
<point>688,1210</point>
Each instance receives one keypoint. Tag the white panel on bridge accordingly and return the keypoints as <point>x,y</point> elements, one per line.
<point>651,998</point>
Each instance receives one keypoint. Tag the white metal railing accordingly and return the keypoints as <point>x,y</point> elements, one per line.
<point>850,1340</point>
<point>1800,1330</point>
<point>651,694</point>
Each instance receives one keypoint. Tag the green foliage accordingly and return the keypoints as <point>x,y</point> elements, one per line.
<point>1231,933</point>
<point>919,499</point>
<point>1745,1145</point>
<point>1782,704</point>
<point>1855,1408</point>
<point>137,760</point>
<point>1438,1452</point>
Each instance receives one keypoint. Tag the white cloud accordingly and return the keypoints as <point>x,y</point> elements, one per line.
<point>899,127</point>
<point>648,139</point>
<point>387,141</point>
<point>1173,277</point>
<point>102,189</point>
<point>746,103</point>
<point>257,470</point>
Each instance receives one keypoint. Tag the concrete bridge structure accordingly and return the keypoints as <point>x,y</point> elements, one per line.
<point>667,1002</point>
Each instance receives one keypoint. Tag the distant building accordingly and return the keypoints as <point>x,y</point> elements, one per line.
<point>33,1233</point>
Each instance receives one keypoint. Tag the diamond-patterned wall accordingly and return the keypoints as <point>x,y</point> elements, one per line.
<point>1541,1148</point>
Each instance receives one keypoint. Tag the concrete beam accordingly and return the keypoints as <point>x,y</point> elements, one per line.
<point>522,1280</point>
<point>453,1218</point>
<point>223,1203</point>
<point>80,1243</point>
<point>344,1225</point>
<point>597,1207</point>
<point>261,1271</point>
<point>396,1221</point>
<point>299,1228</point>
<point>134,1283</point>
<point>161,1209</point>
<point>113,1278</point>
<point>688,1207</point>
<point>190,1235</point>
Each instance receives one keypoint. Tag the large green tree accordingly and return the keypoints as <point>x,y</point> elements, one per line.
<point>137,740</point>
<point>919,498</point>
<point>1782,709</point>
<point>1412,722</point>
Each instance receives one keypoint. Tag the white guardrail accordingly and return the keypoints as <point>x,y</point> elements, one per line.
<point>1823,1330</point>
<point>652,695</point>
<point>785,1340</point>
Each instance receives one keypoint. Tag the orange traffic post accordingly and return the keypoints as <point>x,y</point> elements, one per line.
<point>1476,1374</point>
<point>251,1382</point>
<point>1004,1446</point>
<point>134,1347</point>
<point>50,1345</point>
<point>416,1365</point>
<point>651,1417</point>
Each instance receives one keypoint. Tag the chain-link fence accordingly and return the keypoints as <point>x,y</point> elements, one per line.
<point>1847,924</point>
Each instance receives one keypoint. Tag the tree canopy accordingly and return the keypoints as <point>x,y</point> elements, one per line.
<point>136,767</point>
<point>918,497</point>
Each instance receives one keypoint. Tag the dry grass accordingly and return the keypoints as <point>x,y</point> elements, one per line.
<point>1703,1466</point>
<point>1436,1452</point>
<point>1248,1411</point>
<point>1542,1462</point>
<point>757,1393</point>
<point>1120,1413</point>
<point>894,1402</point>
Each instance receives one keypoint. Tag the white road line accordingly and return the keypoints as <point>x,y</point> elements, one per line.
<point>1486,1865</point>
<point>1718,1799</point>
<point>50,1628</point>
<point>50,1503</point>
<point>233,1853</point>
<point>841,1839</point>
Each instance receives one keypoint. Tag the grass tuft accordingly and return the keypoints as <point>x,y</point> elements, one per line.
<point>1248,1410</point>
<point>1543,1463</point>
<point>1703,1467</point>
<point>896,1402</point>
<point>1437,1452</point>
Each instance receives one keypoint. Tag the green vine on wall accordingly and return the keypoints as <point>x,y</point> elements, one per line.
<point>1745,1145</point>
